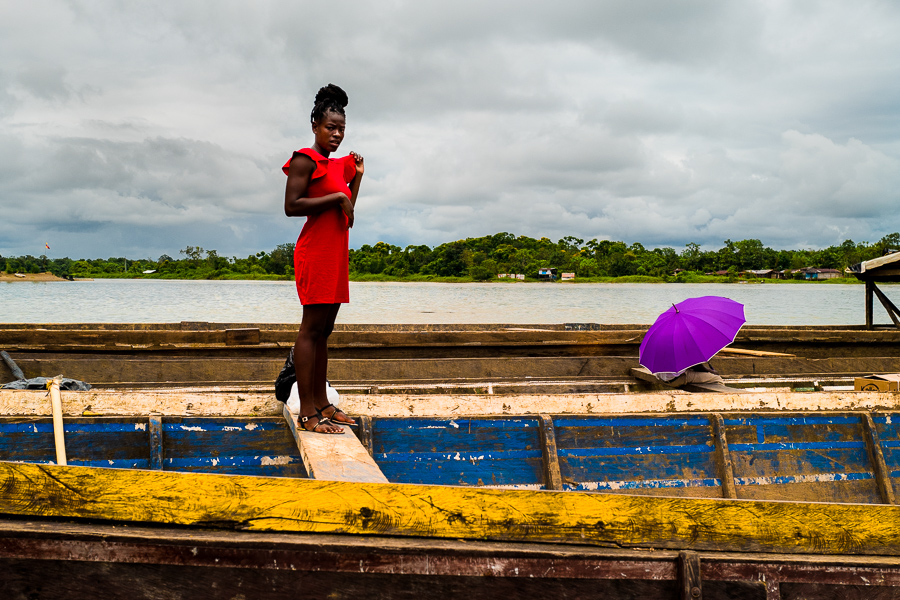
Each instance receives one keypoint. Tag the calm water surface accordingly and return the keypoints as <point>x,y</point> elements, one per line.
<point>161,301</point>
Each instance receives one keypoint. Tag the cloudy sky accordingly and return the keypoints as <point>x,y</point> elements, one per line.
<point>137,128</point>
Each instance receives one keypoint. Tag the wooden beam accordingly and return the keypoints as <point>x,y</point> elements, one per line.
<point>741,351</point>
<point>157,454</point>
<point>690,586</point>
<point>212,402</point>
<point>365,433</point>
<point>245,336</point>
<point>889,306</point>
<point>869,303</point>
<point>305,505</point>
<point>876,457</point>
<point>59,438</point>
<point>552,475</point>
<point>334,456</point>
<point>723,457</point>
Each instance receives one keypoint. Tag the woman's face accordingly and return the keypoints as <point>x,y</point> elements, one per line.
<point>329,131</point>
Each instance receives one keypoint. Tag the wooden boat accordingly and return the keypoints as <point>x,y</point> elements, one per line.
<point>515,487</point>
<point>572,358</point>
<point>806,511</point>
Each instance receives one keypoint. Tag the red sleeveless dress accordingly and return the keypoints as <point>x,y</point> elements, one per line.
<point>321,256</point>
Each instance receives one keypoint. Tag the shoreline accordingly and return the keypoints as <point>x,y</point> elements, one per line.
<point>30,277</point>
<point>585,280</point>
<point>365,278</point>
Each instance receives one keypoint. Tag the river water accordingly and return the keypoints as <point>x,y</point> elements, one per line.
<point>162,301</point>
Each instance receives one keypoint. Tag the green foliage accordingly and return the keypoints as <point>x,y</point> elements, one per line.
<point>481,259</point>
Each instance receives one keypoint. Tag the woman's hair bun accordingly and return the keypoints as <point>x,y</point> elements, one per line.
<point>332,94</point>
<point>328,98</point>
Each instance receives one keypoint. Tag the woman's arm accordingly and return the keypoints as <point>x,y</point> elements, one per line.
<point>354,183</point>
<point>296,204</point>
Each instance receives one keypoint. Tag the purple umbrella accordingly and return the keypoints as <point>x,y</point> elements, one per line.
<point>690,333</point>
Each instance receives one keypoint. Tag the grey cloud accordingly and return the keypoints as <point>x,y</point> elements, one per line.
<point>657,122</point>
<point>45,82</point>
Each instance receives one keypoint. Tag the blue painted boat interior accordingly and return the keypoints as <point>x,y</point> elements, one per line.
<point>504,452</point>
<point>813,457</point>
<point>233,445</point>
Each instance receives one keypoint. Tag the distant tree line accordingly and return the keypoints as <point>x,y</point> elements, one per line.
<point>480,258</point>
<point>485,257</point>
<point>196,263</point>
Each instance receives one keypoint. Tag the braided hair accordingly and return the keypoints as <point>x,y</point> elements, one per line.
<point>329,98</point>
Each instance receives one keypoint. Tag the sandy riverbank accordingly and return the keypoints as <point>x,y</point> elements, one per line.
<point>30,277</point>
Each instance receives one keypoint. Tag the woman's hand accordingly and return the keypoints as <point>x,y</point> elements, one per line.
<point>360,164</point>
<point>347,207</point>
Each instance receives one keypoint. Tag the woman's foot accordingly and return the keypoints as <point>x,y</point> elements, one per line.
<point>333,413</point>
<point>317,424</point>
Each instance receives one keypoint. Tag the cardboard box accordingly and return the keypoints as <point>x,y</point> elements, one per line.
<point>877,383</point>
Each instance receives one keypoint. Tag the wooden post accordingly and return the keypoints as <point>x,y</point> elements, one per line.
<point>365,434</point>
<point>876,456</point>
<point>690,587</point>
<point>552,476</point>
<point>157,454</point>
<point>56,405</point>
<point>13,367</point>
<point>869,286</point>
<point>723,457</point>
<point>889,306</point>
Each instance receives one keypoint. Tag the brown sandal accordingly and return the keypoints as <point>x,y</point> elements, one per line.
<point>331,417</point>
<point>321,421</point>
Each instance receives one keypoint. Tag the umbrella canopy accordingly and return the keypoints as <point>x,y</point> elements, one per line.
<point>690,333</point>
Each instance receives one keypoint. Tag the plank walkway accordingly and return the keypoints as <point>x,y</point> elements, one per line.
<point>334,457</point>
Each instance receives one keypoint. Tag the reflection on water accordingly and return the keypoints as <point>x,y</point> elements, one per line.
<point>161,301</point>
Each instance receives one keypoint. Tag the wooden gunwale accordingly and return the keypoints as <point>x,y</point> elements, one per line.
<point>244,401</point>
<point>296,505</point>
<point>323,553</point>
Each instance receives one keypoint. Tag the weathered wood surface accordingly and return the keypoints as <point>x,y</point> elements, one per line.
<point>334,456</point>
<point>438,341</point>
<point>252,402</point>
<point>280,504</point>
<point>117,369</point>
<point>233,560</point>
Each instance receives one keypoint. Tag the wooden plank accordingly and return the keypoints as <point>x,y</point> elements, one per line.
<point>157,454</point>
<point>715,388</point>
<point>801,457</point>
<point>671,455</point>
<point>870,285</point>
<point>876,456</point>
<point>235,337</point>
<point>889,306</point>
<point>731,350</point>
<point>690,586</point>
<point>643,374</point>
<point>123,370</point>
<point>261,402</point>
<point>365,433</point>
<point>302,505</point>
<point>58,427</point>
<point>552,477</point>
<point>334,457</point>
<point>723,457</point>
<point>495,452</point>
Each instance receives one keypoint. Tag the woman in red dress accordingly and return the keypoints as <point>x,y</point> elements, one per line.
<point>323,190</point>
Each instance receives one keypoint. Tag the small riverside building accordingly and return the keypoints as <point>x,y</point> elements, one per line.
<point>547,274</point>
<point>885,270</point>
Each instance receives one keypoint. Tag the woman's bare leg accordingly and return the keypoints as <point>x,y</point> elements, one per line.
<point>321,373</point>
<point>316,326</point>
